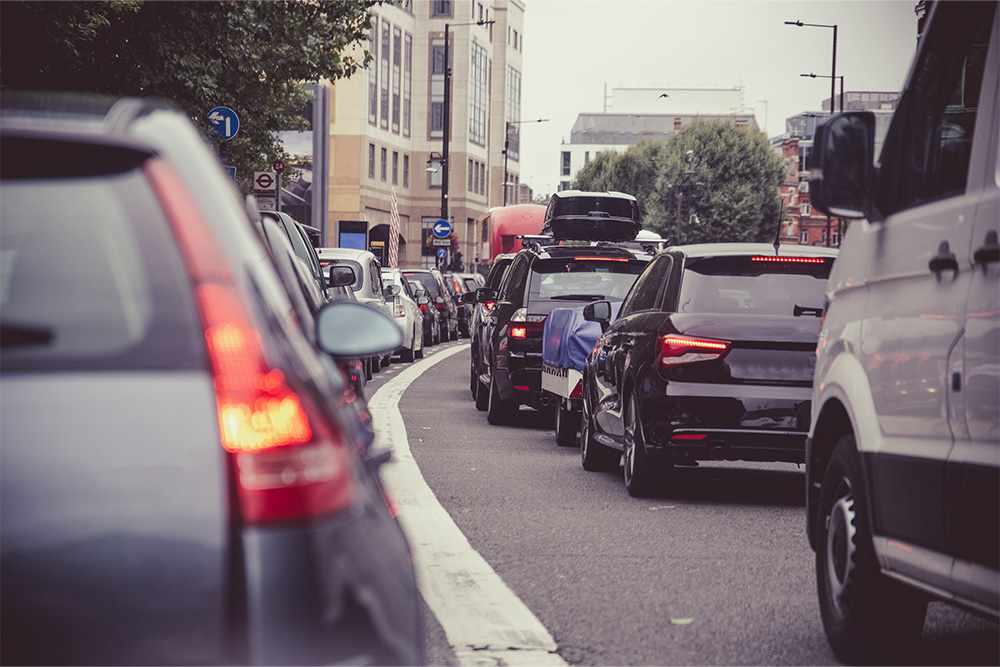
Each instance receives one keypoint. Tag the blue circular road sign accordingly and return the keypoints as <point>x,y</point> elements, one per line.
<point>441,229</point>
<point>442,253</point>
<point>223,123</point>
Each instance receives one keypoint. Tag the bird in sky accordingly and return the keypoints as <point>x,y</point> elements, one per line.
<point>664,95</point>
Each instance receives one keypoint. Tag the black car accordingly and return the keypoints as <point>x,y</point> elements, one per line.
<point>479,327</point>
<point>711,357</point>
<point>437,292</point>
<point>546,273</point>
<point>179,483</point>
<point>430,314</point>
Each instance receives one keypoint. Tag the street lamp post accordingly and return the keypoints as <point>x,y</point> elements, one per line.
<point>506,145</point>
<point>447,114</point>
<point>833,72</point>
<point>827,76</point>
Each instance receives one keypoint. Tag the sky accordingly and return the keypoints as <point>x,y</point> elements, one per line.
<point>573,49</point>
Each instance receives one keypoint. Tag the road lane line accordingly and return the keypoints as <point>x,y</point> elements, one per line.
<point>484,621</point>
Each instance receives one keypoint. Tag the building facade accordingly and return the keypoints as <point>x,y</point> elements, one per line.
<point>387,127</point>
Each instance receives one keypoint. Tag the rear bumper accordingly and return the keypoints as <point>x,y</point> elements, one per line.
<point>519,378</point>
<point>704,422</point>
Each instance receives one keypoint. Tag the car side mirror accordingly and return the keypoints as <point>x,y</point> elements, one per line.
<point>598,311</point>
<point>392,291</point>
<point>469,298</point>
<point>841,166</point>
<point>351,329</point>
<point>423,300</point>
<point>341,275</point>
<point>486,295</point>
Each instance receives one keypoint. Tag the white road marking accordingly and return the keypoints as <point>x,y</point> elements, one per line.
<point>484,621</point>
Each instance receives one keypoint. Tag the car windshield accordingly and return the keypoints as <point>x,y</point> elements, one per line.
<point>761,285</point>
<point>558,283</point>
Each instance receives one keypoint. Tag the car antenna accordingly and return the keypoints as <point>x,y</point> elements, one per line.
<point>777,235</point>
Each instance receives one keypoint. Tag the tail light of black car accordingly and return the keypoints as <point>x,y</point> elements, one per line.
<point>676,350</point>
<point>524,326</point>
<point>289,459</point>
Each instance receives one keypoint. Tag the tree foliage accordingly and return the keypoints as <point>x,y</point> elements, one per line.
<point>252,56</point>
<point>721,181</point>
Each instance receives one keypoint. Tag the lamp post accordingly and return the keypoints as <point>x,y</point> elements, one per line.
<point>827,76</point>
<point>506,144</point>
<point>833,72</point>
<point>447,113</point>
<point>683,192</point>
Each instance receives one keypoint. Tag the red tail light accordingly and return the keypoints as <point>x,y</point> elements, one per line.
<point>676,350</point>
<point>398,310</point>
<point>521,323</point>
<point>288,466</point>
<point>423,308</point>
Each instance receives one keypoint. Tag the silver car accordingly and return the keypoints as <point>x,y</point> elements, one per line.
<point>405,313</point>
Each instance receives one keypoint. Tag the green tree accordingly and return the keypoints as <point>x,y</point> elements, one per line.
<point>250,56</point>
<point>727,191</point>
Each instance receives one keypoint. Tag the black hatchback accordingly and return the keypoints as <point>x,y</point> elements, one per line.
<point>711,358</point>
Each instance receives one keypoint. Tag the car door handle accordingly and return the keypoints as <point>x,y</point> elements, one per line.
<point>989,252</point>
<point>944,260</point>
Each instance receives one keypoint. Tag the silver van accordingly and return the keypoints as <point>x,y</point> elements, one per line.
<point>903,456</point>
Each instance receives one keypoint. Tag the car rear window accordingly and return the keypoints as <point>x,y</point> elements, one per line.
<point>90,276</point>
<point>762,284</point>
<point>560,282</point>
<point>427,280</point>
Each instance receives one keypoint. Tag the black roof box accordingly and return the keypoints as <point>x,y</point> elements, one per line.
<point>592,216</point>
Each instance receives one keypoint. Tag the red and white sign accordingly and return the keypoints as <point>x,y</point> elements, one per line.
<point>264,180</point>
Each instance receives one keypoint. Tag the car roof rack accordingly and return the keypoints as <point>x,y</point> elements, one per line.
<point>542,241</point>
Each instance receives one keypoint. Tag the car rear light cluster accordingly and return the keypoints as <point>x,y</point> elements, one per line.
<point>787,259</point>
<point>521,323</point>
<point>676,350</point>
<point>289,459</point>
<point>398,310</point>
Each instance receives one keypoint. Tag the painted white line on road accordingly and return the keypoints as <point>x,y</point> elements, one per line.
<point>484,621</point>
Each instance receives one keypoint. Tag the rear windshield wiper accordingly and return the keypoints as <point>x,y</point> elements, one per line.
<point>12,335</point>
<point>577,297</point>
<point>807,310</point>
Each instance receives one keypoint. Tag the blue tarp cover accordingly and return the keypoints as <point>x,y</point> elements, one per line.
<point>567,338</point>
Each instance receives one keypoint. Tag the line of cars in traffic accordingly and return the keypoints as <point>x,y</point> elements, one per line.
<point>876,366</point>
<point>187,473</point>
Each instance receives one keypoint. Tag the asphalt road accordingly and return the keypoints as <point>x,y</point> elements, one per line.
<point>715,571</point>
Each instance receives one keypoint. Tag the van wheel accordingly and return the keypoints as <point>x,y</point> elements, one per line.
<point>868,618</point>
<point>498,411</point>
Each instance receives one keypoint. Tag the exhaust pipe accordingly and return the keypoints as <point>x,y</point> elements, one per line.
<point>718,452</point>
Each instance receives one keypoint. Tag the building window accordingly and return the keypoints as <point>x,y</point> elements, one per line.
<point>386,59</point>
<point>475,177</point>
<point>566,163</point>
<point>436,111</point>
<point>397,67</point>
<point>586,157</point>
<point>385,165</point>
<point>469,187</point>
<point>482,178</point>
<point>804,237</point>
<point>407,82</point>
<point>441,8</point>
<point>513,112</point>
<point>371,160</point>
<point>515,40</point>
<point>478,95</point>
<point>395,167</point>
<point>804,186</point>
<point>406,171</point>
<point>804,208</point>
<point>373,74</point>
<point>563,185</point>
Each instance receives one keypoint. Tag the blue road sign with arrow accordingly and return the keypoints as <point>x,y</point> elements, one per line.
<point>441,228</point>
<point>223,123</point>
<point>442,253</point>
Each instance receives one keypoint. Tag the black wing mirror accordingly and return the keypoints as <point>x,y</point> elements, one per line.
<point>341,275</point>
<point>841,166</point>
<point>598,311</point>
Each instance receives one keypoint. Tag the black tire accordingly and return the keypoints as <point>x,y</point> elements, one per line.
<point>418,352</point>
<point>367,363</point>
<point>473,381</point>
<point>498,411</point>
<point>567,424</point>
<point>482,396</point>
<point>406,354</point>
<point>594,456</point>
<point>643,474</point>
<point>453,334</point>
<point>868,618</point>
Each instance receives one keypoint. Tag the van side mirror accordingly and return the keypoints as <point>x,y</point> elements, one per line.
<point>841,166</point>
<point>341,275</point>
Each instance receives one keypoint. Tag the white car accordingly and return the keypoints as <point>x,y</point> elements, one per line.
<point>903,456</point>
<point>405,313</point>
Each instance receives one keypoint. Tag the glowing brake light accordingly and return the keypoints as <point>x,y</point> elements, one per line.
<point>787,259</point>
<point>601,259</point>
<point>521,323</point>
<point>289,459</point>
<point>677,350</point>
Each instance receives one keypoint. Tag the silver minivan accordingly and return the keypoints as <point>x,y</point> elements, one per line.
<point>903,457</point>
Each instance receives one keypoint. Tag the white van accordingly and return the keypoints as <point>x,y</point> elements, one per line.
<point>903,456</point>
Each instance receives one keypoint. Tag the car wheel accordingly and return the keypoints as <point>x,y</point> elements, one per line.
<point>594,456</point>
<point>482,395</point>
<point>418,338</point>
<point>642,473</point>
<point>473,380</point>
<point>498,411</point>
<point>367,363</point>
<point>868,618</point>
<point>453,334</point>
<point>567,424</point>
<point>406,354</point>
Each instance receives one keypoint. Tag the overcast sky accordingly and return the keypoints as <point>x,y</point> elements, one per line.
<point>573,48</point>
